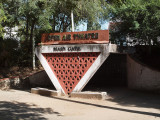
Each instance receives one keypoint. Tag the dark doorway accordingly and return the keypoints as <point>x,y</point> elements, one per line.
<point>112,73</point>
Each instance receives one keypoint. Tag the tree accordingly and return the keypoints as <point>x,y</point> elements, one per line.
<point>2,19</point>
<point>138,19</point>
<point>11,12</point>
<point>8,52</point>
<point>90,11</point>
<point>33,17</point>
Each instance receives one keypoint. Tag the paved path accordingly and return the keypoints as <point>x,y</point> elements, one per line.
<point>121,105</point>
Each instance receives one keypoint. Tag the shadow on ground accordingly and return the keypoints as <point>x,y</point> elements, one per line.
<point>126,97</point>
<point>16,111</point>
<point>112,108</point>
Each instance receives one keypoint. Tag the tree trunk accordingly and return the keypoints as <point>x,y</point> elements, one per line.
<point>32,43</point>
<point>150,46</point>
<point>31,34</point>
<point>27,30</point>
<point>62,23</point>
<point>89,25</point>
<point>54,24</point>
<point>65,25</point>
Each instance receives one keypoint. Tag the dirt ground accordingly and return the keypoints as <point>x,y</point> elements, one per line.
<point>15,71</point>
<point>122,104</point>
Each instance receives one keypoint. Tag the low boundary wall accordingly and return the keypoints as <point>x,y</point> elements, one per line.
<point>141,77</point>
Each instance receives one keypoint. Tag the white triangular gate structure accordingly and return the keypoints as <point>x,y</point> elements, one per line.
<point>70,66</point>
<point>101,52</point>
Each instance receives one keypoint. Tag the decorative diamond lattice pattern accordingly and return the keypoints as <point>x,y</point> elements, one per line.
<point>69,68</point>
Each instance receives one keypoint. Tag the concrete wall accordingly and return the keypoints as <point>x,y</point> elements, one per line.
<point>7,83</point>
<point>40,79</point>
<point>141,77</point>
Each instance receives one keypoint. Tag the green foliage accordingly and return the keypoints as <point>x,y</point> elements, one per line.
<point>33,17</point>
<point>138,18</point>
<point>2,19</point>
<point>36,11</point>
<point>8,52</point>
<point>84,11</point>
<point>93,11</point>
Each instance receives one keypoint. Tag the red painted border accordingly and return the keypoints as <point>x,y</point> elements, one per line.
<point>3,79</point>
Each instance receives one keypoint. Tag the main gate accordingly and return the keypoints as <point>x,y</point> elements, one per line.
<point>71,59</point>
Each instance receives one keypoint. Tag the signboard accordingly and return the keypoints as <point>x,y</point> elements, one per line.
<point>98,36</point>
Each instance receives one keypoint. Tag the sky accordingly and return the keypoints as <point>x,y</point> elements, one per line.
<point>83,26</point>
